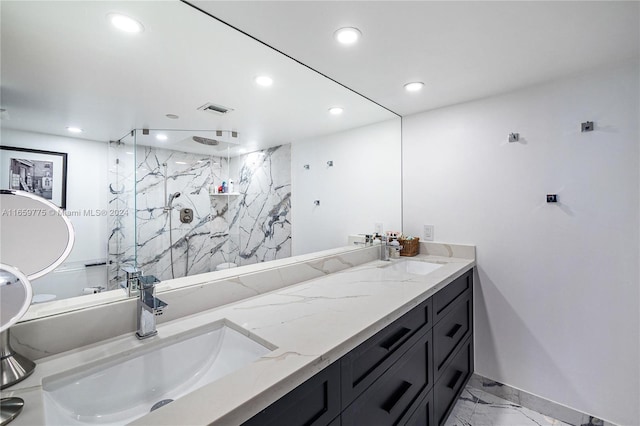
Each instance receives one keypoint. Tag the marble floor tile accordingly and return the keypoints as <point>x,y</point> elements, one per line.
<point>479,408</point>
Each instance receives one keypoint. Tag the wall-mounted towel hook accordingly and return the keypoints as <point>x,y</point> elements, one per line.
<point>316,202</point>
<point>306,166</point>
<point>587,126</point>
<point>330,163</point>
<point>514,137</point>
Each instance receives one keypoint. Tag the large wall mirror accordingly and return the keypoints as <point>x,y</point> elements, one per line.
<point>134,132</point>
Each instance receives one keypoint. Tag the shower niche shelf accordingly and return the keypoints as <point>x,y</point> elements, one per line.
<point>225,194</point>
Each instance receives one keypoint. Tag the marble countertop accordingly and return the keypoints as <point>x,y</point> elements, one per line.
<point>311,325</point>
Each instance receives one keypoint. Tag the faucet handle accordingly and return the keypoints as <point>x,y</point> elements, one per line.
<point>148,281</point>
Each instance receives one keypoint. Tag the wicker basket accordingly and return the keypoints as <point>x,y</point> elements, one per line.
<point>410,247</point>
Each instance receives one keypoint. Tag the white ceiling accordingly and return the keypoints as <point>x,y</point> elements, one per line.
<point>63,64</point>
<point>461,50</point>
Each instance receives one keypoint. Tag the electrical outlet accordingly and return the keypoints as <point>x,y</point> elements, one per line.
<point>378,228</point>
<point>428,232</point>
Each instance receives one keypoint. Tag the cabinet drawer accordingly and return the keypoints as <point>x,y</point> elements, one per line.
<point>390,398</point>
<point>363,365</point>
<point>452,381</point>
<point>446,297</point>
<point>423,414</point>
<point>450,331</point>
<point>314,403</point>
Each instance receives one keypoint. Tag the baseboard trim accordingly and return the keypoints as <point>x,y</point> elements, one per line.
<point>535,403</point>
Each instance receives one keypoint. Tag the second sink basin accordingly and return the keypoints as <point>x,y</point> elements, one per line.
<point>125,388</point>
<point>414,267</point>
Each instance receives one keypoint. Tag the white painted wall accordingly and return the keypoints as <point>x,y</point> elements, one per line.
<point>87,186</point>
<point>557,298</point>
<point>362,188</point>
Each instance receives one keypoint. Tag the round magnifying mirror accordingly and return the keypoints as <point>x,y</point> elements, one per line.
<point>35,234</point>
<point>15,295</point>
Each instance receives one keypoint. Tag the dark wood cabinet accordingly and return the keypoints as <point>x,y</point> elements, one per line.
<point>390,398</point>
<point>364,364</point>
<point>444,299</point>
<point>452,381</point>
<point>423,413</point>
<point>409,374</point>
<point>451,331</point>
<point>316,402</point>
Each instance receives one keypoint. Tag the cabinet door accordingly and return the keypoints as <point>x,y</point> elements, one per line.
<point>363,365</point>
<point>450,332</point>
<point>423,414</point>
<point>316,402</point>
<point>444,299</point>
<point>391,398</point>
<point>451,382</point>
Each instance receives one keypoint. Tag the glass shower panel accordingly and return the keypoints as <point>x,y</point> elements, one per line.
<point>221,213</point>
<point>121,221</point>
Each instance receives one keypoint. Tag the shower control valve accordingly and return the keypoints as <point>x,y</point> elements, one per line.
<point>186,215</point>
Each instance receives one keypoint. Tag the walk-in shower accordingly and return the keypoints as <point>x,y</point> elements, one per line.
<point>180,223</point>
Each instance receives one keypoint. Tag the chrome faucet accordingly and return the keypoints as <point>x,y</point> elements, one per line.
<point>385,246</point>
<point>368,240</point>
<point>148,306</point>
<point>132,280</point>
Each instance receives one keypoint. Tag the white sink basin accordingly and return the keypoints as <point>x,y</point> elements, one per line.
<point>415,267</point>
<point>123,389</point>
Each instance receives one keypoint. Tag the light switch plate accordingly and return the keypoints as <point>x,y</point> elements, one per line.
<point>428,233</point>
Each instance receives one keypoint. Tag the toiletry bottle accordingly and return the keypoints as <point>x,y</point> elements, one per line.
<point>224,187</point>
<point>231,188</point>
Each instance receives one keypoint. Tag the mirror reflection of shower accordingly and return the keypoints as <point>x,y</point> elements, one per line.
<point>167,209</point>
<point>209,228</point>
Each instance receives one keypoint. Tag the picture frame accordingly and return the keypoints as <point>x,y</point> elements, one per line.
<point>43,173</point>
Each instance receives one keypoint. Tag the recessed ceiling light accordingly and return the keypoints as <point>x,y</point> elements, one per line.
<point>336,110</point>
<point>263,80</point>
<point>124,23</point>
<point>172,116</point>
<point>161,137</point>
<point>415,86</point>
<point>74,129</point>
<point>347,35</point>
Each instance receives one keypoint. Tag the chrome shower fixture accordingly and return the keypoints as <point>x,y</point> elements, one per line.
<point>205,141</point>
<point>173,197</point>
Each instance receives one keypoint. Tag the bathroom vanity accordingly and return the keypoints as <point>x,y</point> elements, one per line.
<point>370,338</point>
<point>410,373</point>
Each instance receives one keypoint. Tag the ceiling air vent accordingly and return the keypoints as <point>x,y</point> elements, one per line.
<point>216,109</point>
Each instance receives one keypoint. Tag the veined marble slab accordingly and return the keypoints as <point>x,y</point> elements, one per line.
<point>44,330</point>
<point>535,403</point>
<point>249,226</point>
<point>475,407</point>
<point>312,324</point>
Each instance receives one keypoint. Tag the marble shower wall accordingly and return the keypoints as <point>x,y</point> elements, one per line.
<point>252,225</point>
<point>261,221</point>
<point>166,247</point>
